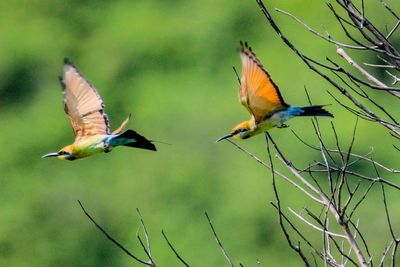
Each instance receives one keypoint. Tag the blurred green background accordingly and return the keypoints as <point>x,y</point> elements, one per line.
<point>169,63</point>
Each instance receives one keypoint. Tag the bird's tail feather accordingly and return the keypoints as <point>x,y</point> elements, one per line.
<point>316,110</point>
<point>133,139</point>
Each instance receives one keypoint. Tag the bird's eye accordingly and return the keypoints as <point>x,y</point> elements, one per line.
<point>238,131</point>
<point>62,152</point>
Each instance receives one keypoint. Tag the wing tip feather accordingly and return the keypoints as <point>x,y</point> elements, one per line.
<point>68,61</point>
<point>68,64</point>
<point>244,46</point>
<point>61,79</point>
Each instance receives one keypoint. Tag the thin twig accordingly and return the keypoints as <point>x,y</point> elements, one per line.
<point>112,239</point>
<point>226,255</point>
<point>330,261</point>
<point>237,75</point>
<point>314,226</point>
<point>145,232</point>
<point>344,55</point>
<point>275,171</point>
<point>173,249</point>
<point>328,38</point>
<point>385,253</point>
<point>297,249</point>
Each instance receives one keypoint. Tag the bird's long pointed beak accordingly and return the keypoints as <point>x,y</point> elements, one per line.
<point>224,137</point>
<point>50,155</point>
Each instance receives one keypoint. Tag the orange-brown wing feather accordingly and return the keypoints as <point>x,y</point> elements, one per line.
<point>122,126</point>
<point>258,93</point>
<point>83,104</point>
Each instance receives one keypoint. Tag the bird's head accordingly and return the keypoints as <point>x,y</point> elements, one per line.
<point>65,153</point>
<point>241,131</point>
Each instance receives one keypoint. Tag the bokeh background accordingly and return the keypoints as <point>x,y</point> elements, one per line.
<point>169,63</point>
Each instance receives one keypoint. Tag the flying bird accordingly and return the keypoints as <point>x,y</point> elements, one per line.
<point>85,110</point>
<point>261,97</point>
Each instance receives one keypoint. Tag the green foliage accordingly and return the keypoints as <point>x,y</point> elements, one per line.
<point>169,63</point>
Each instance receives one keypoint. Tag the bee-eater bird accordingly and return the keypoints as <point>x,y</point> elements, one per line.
<point>261,97</point>
<point>85,110</point>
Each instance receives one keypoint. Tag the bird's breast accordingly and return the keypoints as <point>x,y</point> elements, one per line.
<point>274,120</point>
<point>90,145</point>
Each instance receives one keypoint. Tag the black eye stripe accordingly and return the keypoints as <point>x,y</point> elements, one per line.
<point>240,131</point>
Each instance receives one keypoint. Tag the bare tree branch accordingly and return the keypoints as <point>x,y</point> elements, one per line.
<point>316,227</point>
<point>226,255</point>
<point>297,249</point>
<point>150,263</point>
<point>344,55</point>
<point>173,249</point>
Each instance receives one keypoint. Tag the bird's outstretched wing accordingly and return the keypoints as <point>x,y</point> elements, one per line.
<point>258,93</point>
<point>83,104</point>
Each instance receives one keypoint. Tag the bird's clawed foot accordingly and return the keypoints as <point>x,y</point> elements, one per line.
<point>107,149</point>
